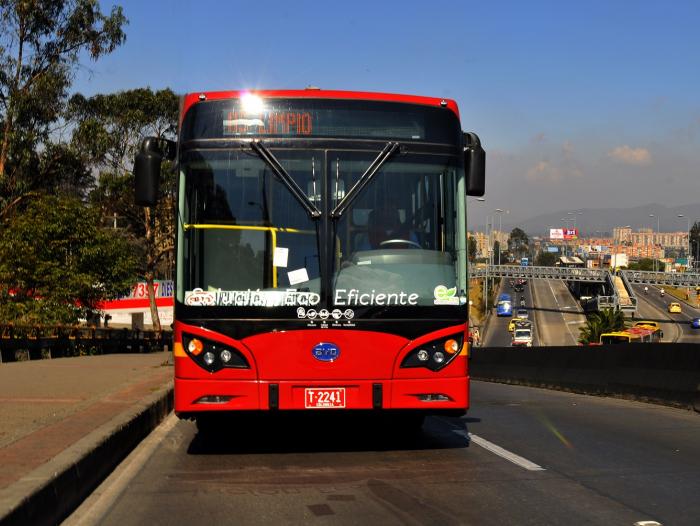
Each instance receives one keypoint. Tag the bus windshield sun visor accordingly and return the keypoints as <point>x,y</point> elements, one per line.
<point>266,155</point>
<point>384,155</point>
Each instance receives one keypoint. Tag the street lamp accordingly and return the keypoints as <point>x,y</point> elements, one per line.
<point>681,216</point>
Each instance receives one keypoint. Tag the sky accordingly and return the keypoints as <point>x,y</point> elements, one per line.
<point>579,105</point>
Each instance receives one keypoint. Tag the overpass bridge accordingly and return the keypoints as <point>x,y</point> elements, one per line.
<point>623,296</point>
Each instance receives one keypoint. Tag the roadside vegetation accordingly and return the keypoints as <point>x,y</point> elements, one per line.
<point>70,236</point>
<point>597,323</point>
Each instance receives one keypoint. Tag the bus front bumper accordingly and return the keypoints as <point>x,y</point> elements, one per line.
<point>429,395</point>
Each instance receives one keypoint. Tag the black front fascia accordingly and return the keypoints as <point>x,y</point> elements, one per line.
<point>240,322</point>
<point>239,328</point>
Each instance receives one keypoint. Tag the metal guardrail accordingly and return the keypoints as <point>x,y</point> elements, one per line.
<point>674,279</point>
<point>560,273</point>
<point>57,341</point>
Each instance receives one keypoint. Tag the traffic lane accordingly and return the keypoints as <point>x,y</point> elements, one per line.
<point>643,456</point>
<point>284,472</point>
<point>676,326</point>
<point>497,334</point>
<point>557,312</point>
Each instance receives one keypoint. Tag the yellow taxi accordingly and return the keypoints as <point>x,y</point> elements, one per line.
<point>517,322</point>
<point>674,307</point>
<point>511,325</point>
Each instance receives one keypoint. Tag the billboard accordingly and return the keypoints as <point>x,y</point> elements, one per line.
<point>563,233</point>
<point>556,233</point>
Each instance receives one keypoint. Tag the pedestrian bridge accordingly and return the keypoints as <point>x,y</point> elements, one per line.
<point>620,283</point>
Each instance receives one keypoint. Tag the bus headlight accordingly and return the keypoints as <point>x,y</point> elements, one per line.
<point>436,354</point>
<point>213,356</point>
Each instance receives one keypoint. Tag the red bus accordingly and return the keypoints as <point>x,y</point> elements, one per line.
<point>321,251</point>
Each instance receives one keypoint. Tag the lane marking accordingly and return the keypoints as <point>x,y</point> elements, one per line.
<point>498,450</point>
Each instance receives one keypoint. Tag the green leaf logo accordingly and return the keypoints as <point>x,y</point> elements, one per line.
<point>441,292</point>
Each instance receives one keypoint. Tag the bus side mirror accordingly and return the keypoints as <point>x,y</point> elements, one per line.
<point>147,169</point>
<point>475,165</point>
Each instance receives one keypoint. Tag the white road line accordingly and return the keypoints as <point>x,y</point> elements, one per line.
<point>498,450</point>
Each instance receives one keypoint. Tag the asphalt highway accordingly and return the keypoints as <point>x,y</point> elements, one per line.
<point>676,326</point>
<point>522,456</point>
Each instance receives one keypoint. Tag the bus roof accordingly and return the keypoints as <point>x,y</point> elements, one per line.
<point>316,93</point>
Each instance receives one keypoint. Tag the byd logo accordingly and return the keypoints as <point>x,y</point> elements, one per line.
<point>326,352</point>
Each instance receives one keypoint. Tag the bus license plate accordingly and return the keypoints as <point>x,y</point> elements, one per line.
<point>316,398</point>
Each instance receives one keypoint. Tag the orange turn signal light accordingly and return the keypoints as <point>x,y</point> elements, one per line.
<point>195,346</point>
<point>451,346</point>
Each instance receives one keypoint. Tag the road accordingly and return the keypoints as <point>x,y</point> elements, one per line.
<point>565,459</point>
<point>497,334</point>
<point>676,327</point>
<point>556,314</point>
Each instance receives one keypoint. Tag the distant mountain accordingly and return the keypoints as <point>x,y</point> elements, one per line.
<point>601,221</point>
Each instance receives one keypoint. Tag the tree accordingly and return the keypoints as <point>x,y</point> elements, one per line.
<point>647,264</point>
<point>518,243</point>
<point>695,242</point>
<point>40,44</point>
<point>496,251</point>
<point>607,320</point>
<point>545,259</point>
<point>109,131</point>
<point>471,249</point>
<point>57,264</point>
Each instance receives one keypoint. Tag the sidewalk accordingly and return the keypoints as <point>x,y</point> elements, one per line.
<point>65,423</point>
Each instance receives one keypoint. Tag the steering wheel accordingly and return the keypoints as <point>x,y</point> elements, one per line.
<point>408,242</point>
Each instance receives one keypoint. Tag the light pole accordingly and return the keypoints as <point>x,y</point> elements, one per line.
<point>688,256</point>
<point>653,245</point>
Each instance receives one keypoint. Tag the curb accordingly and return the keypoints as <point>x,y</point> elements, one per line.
<point>54,490</point>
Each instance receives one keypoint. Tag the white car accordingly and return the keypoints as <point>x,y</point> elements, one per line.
<point>522,314</point>
<point>522,337</point>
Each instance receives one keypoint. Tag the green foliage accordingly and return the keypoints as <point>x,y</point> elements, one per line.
<point>109,132</point>
<point>546,259</point>
<point>471,249</point>
<point>647,264</point>
<point>695,241</point>
<point>57,263</point>
<point>607,320</point>
<point>41,42</point>
<point>518,243</point>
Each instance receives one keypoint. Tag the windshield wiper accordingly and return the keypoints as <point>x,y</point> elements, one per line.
<point>388,151</point>
<point>269,159</point>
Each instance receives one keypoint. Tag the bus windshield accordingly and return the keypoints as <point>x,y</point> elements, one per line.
<point>244,235</point>
<point>397,244</point>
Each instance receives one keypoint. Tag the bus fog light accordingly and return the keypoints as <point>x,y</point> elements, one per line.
<point>209,358</point>
<point>225,356</point>
<point>423,355</point>
<point>439,357</point>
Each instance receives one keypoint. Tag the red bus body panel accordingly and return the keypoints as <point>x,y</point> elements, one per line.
<point>284,358</point>
<point>194,98</point>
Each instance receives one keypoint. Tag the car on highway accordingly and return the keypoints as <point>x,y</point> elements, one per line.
<point>674,307</point>
<point>522,337</point>
<point>518,322</point>
<point>522,313</point>
<point>695,323</point>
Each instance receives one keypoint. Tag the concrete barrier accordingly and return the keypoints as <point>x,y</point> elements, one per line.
<point>662,373</point>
